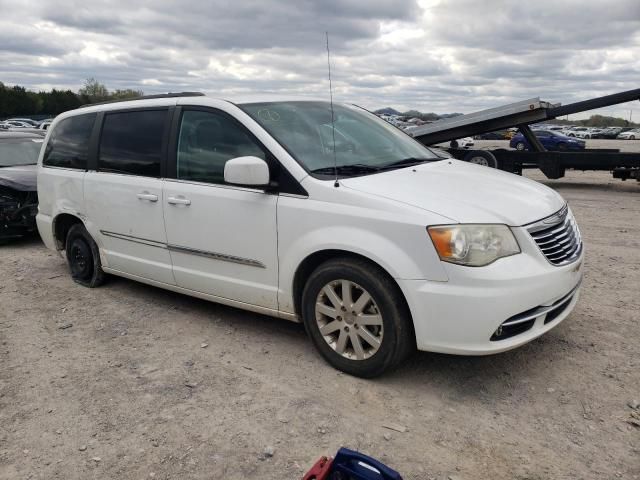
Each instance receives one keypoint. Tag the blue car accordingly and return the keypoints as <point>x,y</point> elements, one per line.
<point>550,140</point>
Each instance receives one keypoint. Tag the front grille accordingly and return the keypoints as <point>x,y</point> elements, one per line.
<point>558,237</point>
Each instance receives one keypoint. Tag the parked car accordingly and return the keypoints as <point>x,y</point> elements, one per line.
<point>629,135</point>
<point>18,124</point>
<point>610,132</point>
<point>574,131</point>
<point>499,135</point>
<point>376,244</point>
<point>27,121</point>
<point>45,124</point>
<point>18,197</point>
<point>550,141</point>
<point>590,133</point>
<point>465,142</point>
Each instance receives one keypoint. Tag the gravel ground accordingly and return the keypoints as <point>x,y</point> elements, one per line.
<point>129,381</point>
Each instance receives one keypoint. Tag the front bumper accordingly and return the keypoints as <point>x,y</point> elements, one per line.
<point>462,315</point>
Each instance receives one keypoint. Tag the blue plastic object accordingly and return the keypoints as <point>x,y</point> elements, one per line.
<point>351,465</point>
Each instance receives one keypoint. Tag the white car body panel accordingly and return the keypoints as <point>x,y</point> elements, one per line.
<point>125,218</point>
<point>208,229</point>
<point>464,192</point>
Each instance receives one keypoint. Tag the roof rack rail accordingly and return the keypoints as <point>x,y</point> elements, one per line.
<point>148,97</point>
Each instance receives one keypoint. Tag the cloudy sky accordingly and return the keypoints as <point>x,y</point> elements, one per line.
<point>432,55</point>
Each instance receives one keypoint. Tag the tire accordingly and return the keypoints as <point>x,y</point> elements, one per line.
<point>520,146</point>
<point>389,321</point>
<point>632,137</point>
<point>83,257</point>
<point>481,157</point>
<point>562,147</point>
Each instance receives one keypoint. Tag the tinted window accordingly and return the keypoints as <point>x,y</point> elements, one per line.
<point>68,145</point>
<point>131,142</point>
<point>207,140</point>
<point>541,133</point>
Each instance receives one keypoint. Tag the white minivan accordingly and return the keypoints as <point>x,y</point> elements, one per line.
<point>331,217</point>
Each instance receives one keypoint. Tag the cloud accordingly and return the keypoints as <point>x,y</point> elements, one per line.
<point>443,56</point>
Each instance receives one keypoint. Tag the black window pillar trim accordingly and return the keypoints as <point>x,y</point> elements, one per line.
<point>94,142</point>
<point>166,142</point>
<point>171,170</point>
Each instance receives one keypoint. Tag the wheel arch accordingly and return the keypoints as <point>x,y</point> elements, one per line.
<point>61,225</point>
<point>315,259</point>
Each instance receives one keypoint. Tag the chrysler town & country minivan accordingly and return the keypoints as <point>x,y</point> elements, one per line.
<point>328,216</point>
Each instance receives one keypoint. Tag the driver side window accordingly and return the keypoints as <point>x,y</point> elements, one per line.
<point>205,143</point>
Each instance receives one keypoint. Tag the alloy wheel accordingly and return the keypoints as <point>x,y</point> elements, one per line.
<point>349,320</point>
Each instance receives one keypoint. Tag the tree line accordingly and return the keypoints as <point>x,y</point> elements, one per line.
<point>18,101</point>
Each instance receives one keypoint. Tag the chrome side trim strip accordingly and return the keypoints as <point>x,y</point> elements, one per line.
<point>131,238</point>
<point>192,251</point>
<point>217,256</point>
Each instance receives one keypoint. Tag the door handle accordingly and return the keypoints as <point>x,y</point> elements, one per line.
<point>147,196</point>
<point>178,201</point>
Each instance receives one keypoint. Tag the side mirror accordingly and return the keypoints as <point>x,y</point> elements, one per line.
<point>247,171</point>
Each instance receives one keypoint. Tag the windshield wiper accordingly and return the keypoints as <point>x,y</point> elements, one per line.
<point>347,169</point>
<point>405,162</point>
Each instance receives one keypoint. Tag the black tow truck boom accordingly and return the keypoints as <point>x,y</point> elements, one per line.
<point>521,115</point>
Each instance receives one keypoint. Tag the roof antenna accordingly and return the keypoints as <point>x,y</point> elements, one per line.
<point>333,129</point>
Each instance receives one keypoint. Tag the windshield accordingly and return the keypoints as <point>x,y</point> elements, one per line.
<point>363,142</point>
<point>23,151</point>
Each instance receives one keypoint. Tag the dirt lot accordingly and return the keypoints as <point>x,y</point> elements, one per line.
<point>130,382</point>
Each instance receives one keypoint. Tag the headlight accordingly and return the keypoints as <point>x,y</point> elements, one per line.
<point>473,245</point>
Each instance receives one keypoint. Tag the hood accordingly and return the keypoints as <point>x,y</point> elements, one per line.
<point>22,178</point>
<point>463,192</point>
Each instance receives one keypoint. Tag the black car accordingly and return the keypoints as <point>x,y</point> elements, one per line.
<point>18,194</point>
<point>501,135</point>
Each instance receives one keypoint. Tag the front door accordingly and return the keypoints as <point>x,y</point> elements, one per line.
<point>123,198</point>
<point>222,238</point>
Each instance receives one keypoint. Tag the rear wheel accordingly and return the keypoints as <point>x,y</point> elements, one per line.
<point>632,137</point>
<point>356,317</point>
<point>562,146</point>
<point>484,158</point>
<point>83,257</point>
<point>520,146</point>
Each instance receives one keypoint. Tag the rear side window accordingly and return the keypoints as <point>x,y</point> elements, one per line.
<point>68,144</point>
<point>131,142</point>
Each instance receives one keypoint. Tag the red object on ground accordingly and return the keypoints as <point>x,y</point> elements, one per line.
<point>320,471</point>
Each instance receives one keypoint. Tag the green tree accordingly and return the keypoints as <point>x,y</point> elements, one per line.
<point>126,93</point>
<point>94,91</point>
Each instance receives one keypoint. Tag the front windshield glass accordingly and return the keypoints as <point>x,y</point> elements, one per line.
<point>362,140</point>
<point>23,151</point>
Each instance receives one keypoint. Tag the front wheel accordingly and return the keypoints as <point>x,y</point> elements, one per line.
<point>83,257</point>
<point>520,146</point>
<point>356,317</point>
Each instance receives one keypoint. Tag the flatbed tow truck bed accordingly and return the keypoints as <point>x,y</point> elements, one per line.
<point>522,114</point>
